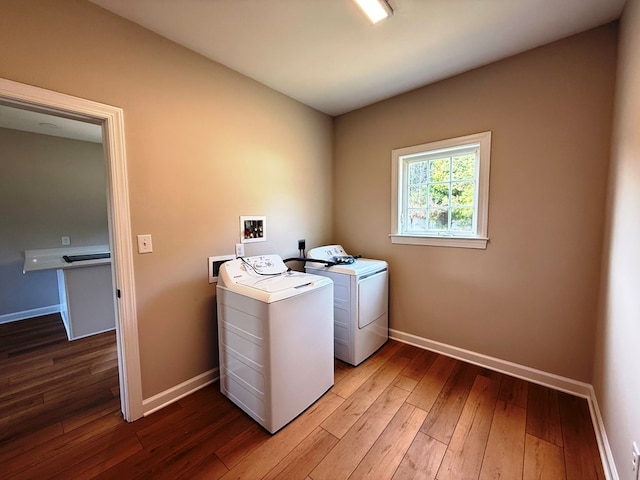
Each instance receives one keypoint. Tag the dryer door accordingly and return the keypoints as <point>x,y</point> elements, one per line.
<point>372,298</point>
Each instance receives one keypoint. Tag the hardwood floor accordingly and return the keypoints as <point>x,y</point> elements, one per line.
<point>405,413</point>
<point>47,380</point>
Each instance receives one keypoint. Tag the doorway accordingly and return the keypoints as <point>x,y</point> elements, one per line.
<point>110,119</point>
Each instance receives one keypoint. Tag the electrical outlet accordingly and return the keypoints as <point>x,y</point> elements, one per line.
<point>635,458</point>
<point>66,240</point>
<point>239,249</point>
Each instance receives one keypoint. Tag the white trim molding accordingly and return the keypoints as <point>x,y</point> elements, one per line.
<point>608,463</point>
<point>32,313</point>
<point>557,382</point>
<point>173,394</point>
<point>478,144</point>
<point>112,121</point>
<point>533,375</point>
<point>444,241</point>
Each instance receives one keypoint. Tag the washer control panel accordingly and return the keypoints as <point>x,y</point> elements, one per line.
<point>265,264</point>
<point>250,267</point>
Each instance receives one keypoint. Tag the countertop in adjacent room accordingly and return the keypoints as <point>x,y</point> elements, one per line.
<point>51,258</point>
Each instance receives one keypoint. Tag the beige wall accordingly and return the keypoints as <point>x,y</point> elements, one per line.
<point>617,357</point>
<point>204,146</point>
<point>49,187</point>
<point>530,297</point>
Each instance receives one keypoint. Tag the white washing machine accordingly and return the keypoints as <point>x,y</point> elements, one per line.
<point>361,301</point>
<point>275,338</point>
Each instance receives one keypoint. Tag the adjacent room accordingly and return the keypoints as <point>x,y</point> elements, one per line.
<point>486,153</point>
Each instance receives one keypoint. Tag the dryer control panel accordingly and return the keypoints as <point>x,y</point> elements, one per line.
<point>327,253</point>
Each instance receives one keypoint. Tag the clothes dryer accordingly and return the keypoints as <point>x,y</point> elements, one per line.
<point>361,301</point>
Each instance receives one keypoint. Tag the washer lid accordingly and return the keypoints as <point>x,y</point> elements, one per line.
<point>277,283</point>
<point>265,278</point>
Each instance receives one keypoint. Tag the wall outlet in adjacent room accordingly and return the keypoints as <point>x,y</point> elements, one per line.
<point>214,266</point>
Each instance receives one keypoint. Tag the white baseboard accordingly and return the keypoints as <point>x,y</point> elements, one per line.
<point>174,394</point>
<point>34,312</point>
<point>604,447</point>
<point>557,382</point>
<point>90,334</point>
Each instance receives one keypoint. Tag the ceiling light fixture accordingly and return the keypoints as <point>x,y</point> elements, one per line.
<point>376,10</point>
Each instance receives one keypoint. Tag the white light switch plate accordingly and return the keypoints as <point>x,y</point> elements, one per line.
<point>144,244</point>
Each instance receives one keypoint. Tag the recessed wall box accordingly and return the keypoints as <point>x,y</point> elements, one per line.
<point>253,229</point>
<point>214,266</point>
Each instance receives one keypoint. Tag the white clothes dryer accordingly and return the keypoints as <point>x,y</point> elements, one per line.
<point>275,338</point>
<point>361,301</point>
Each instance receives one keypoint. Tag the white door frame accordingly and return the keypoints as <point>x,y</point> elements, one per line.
<point>112,121</point>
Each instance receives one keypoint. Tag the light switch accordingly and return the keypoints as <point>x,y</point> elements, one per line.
<point>144,244</point>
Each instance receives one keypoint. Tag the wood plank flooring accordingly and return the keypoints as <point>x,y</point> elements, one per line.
<point>405,413</point>
<point>46,380</point>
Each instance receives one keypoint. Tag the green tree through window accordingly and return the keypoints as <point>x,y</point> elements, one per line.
<point>441,193</point>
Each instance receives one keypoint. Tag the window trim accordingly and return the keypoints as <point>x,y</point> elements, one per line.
<point>466,240</point>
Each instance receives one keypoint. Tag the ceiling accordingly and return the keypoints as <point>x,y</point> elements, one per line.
<point>326,54</point>
<point>17,118</point>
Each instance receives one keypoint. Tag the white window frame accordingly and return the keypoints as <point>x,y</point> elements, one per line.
<point>399,160</point>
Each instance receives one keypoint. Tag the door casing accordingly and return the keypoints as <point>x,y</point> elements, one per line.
<point>111,120</point>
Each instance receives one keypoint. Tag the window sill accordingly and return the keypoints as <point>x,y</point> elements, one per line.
<point>460,242</point>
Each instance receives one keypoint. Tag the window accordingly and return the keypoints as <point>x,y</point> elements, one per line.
<point>440,192</point>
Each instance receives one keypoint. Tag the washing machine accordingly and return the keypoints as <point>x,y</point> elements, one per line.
<point>275,338</point>
<point>361,301</point>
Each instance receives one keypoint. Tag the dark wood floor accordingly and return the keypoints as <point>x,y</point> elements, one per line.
<point>46,380</point>
<point>404,413</point>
